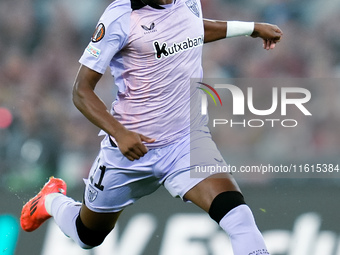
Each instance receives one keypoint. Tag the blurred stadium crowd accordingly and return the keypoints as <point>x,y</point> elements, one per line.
<point>41,42</point>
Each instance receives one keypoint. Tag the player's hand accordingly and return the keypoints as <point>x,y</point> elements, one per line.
<point>271,34</point>
<point>131,143</point>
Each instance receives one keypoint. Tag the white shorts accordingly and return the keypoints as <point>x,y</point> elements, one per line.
<point>115,182</point>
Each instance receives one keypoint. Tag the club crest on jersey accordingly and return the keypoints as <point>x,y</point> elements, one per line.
<point>193,7</point>
<point>98,33</point>
<point>91,193</point>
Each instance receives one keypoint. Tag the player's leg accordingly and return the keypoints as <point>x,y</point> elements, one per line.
<point>114,182</point>
<point>85,227</point>
<point>205,191</point>
<point>220,196</point>
<point>90,222</point>
<point>104,222</point>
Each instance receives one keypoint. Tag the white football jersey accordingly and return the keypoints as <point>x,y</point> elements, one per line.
<point>153,54</point>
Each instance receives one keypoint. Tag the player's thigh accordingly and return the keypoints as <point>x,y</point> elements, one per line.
<point>205,191</point>
<point>98,221</point>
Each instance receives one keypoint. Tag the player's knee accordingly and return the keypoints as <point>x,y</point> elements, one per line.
<point>89,238</point>
<point>224,203</point>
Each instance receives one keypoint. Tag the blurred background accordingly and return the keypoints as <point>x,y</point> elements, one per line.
<point>43,134</point>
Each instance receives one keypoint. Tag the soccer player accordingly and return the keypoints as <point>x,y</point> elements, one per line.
<point>154,133</point>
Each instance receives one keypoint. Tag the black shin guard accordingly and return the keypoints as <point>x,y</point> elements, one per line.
<point>88,236</point>
<point>223,203</point>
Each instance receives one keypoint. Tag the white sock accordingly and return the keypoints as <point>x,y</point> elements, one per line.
<point>244,235</point>
<point>65,212</point>
<point>48,201</point>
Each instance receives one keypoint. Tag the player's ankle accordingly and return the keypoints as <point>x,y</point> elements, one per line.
<point>49,200</point>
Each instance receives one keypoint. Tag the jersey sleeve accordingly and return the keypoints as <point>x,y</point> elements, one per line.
<point>110,36</point>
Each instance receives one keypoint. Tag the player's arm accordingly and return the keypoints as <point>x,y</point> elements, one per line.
<point>215,30</point>
<point>93,108</point>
